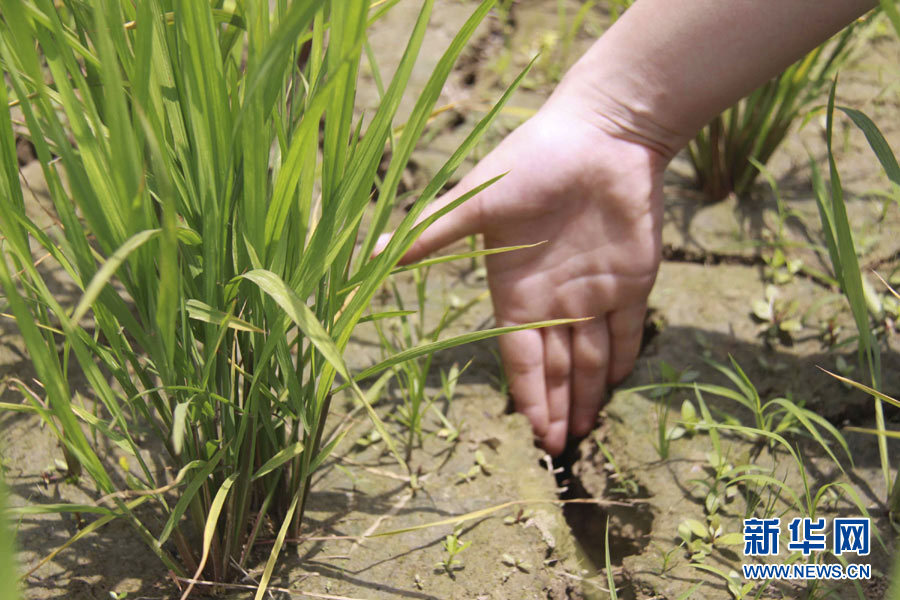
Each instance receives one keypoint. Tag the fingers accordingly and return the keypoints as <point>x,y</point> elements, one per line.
<point>523,361</point>
<point>590,366</point>
<point>558,376</point>
<point>557,379</point>
<point>626,328</point>
<point>539,368</point>
<point>461,221</point>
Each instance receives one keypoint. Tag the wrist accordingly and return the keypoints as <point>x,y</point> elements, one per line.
<point>664,69</point>
<point>620,105</point>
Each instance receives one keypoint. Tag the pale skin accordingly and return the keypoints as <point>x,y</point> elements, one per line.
<point>585,175</point>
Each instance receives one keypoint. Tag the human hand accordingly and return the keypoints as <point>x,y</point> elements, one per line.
<point>596,200</point>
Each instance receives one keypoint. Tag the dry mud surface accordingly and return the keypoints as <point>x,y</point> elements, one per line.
<point>359,491</point>
<point>714,268</point>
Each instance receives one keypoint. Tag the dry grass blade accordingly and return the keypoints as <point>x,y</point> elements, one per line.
<point>861,386</point>
<point>484,512</point>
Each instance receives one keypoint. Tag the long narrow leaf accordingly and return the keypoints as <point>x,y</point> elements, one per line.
<point>210,529</point>
<point>459,340</point>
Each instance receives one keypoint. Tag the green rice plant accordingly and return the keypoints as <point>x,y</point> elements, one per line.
<point>756,126</point>
<point>621,481</point>
<point>208,178</point>
<point>452,546</point>
<point>772,418</point>
<point>412,375</point>
<point>753,480</point>
<point>842,252</point>
<point>617,8</point>
<point>881,432</point>
<point>779,268</point>
<point>610,580</point>
<point>665,433</point>
<point>894,591</point>
<point>724,154</point>
<point>8,589</point>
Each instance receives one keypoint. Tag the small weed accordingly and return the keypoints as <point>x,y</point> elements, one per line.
<point>779,269</point>
<point>668,558</point>
<point>466,477</point>
<point>480,467</point>
<point>515,563</point>
<point>453,547</point>
<point>670,375</point>
<point>689,419</point>
<point>665,433</point>
<point>482,463</point>
<point>500,381</point>
<point>844,368</point>
<point>621,482</point>
<point>829,327</point>
<point>700,538</point>
<point>772,418</point>
<point>779,318</point>
<point>413,374</point>
<point>373,437</point>
<point>449,431</point>
<point>521,516</point>
<point>733,580</point>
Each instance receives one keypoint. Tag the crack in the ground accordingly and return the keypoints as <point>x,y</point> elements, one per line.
<point>673,254</point>
<point>588,522</point>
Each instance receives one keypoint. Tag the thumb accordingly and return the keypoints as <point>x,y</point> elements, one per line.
<point>463,220</point>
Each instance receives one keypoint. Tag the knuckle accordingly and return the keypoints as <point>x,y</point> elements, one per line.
<point>590,357</point>
<point>557,365</point>
<point>590,361</point>
<point>515,364</point>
